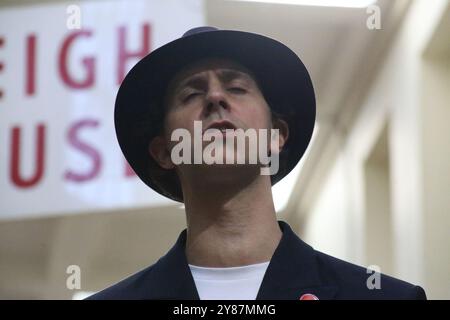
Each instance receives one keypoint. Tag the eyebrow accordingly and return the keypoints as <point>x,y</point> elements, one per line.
<point>230,75</point>
<point>225,76</point>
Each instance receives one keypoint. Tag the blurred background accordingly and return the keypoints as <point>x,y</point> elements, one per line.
<point>373,188</point>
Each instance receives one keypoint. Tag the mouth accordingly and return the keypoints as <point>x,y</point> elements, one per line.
<point>224,126</point>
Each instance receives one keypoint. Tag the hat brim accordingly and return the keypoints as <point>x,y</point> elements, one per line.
<point>283,78</point>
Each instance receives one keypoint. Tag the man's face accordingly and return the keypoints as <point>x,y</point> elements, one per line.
<point>214,91</point>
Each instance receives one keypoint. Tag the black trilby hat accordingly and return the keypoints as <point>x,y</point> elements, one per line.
<point>139,108</point>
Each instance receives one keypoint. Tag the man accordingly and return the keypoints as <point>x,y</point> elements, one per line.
<point>233,247</point>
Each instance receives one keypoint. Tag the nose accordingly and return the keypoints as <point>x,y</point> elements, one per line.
<point>216,98</point>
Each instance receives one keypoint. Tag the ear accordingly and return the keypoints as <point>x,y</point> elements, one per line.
<point>283,130</point>
<point>157,149</point>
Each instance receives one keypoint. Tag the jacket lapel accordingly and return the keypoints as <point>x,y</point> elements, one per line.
<point>172,278</point>
<point>293,271</point>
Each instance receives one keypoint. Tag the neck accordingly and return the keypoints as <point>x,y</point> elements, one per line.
<point>231,224</point>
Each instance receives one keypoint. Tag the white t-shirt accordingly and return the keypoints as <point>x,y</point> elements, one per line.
<point>235,283</point>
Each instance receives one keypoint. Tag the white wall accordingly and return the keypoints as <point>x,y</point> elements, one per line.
<point>396,97</point>
<point>330,216</point>
<point>436,166</point>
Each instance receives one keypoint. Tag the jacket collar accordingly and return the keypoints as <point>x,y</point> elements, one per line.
<point>292,272</point>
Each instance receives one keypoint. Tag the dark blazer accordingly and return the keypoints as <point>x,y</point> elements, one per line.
<point>295,269</point>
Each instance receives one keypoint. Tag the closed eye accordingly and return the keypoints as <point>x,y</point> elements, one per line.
<point>237,90</point>
<point>190,96</point>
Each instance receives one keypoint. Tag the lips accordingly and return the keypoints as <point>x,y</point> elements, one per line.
<point>221,125</point>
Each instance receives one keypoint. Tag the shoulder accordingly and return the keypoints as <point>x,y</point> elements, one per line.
<point>130,288</point>
<point>356,282</point>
